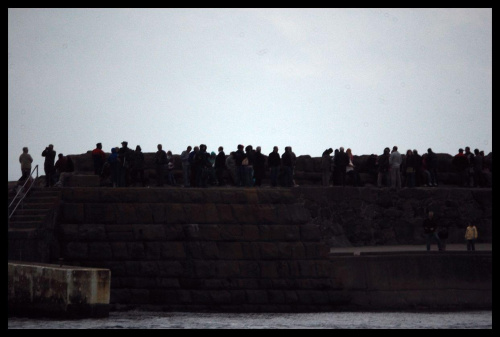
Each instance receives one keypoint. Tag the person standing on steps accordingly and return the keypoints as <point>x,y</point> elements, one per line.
<point>25,160</point>
<point>48,165</point>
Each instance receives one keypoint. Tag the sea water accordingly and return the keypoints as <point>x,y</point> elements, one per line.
<point>137,319</point>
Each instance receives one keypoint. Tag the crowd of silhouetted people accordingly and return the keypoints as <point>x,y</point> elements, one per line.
<point>247,167</point>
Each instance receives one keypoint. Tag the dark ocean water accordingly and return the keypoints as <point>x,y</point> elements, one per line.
<point>137,319</point>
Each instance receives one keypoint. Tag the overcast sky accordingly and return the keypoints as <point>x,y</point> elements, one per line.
<point>309,78</point>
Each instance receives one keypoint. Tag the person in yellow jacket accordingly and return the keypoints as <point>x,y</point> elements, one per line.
<point>471,236</point>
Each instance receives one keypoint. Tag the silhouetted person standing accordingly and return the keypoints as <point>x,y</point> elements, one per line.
<point>274,163</point>
<point>259,166</point>
<point>186,169</point>
<point>287,164</point>
<point>461,164</point>
<point>25,160</point>
<point>395,161</point>
<point>99,158</point>
<point>138,167</point>
<point>341,160</point>
<point>125,154</point>
<point>48,165</point>
<point>432,167</point>
<point>160,164</point>
<point>326,166</point>
<point>220,165</point>
<point>430,227</point>
<point>471,236</point>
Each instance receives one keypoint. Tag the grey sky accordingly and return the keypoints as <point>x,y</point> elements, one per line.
<point>308,78</point>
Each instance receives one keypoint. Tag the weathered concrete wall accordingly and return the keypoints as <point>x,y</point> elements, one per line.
<point>425,280</point>
<point>267,249</point>
<point>57,291</point>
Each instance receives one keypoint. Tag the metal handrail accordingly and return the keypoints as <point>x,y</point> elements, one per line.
<point>24,194</point>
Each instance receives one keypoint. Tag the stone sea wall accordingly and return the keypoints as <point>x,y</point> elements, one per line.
<point>268,249</point>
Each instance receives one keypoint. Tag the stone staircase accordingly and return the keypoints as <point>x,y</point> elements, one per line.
<point>33,210</point>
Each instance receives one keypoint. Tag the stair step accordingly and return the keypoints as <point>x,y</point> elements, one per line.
<point>36,205</point>
<point>45,193</point>
<point>24,224</point>
<point>42,198</point>
<point>30,217</point>
<point>32,211</point>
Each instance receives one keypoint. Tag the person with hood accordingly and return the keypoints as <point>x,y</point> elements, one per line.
<point>326,166</point>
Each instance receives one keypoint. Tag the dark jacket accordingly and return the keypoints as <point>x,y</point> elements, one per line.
<point>259,161</point>
<point>160,157</point>
<point>239,155</point>
<point>286,159</point>
<point>138,160</point>
<point>220,160</point>
<point>431,161</point>
<point>273,160</point>
<point>460,162</point>
<point>341,160</point>
<point>410,162</point>
<point>430,226</point>
<point>50,156</point>
<point>383,163</point>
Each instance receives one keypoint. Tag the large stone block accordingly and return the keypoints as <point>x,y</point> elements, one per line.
<point>80,180</point>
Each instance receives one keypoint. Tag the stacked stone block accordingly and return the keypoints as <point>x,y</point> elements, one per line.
<point>216,249</point>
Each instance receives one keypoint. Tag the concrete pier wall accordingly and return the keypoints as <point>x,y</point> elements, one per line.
<point>46,290</point>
